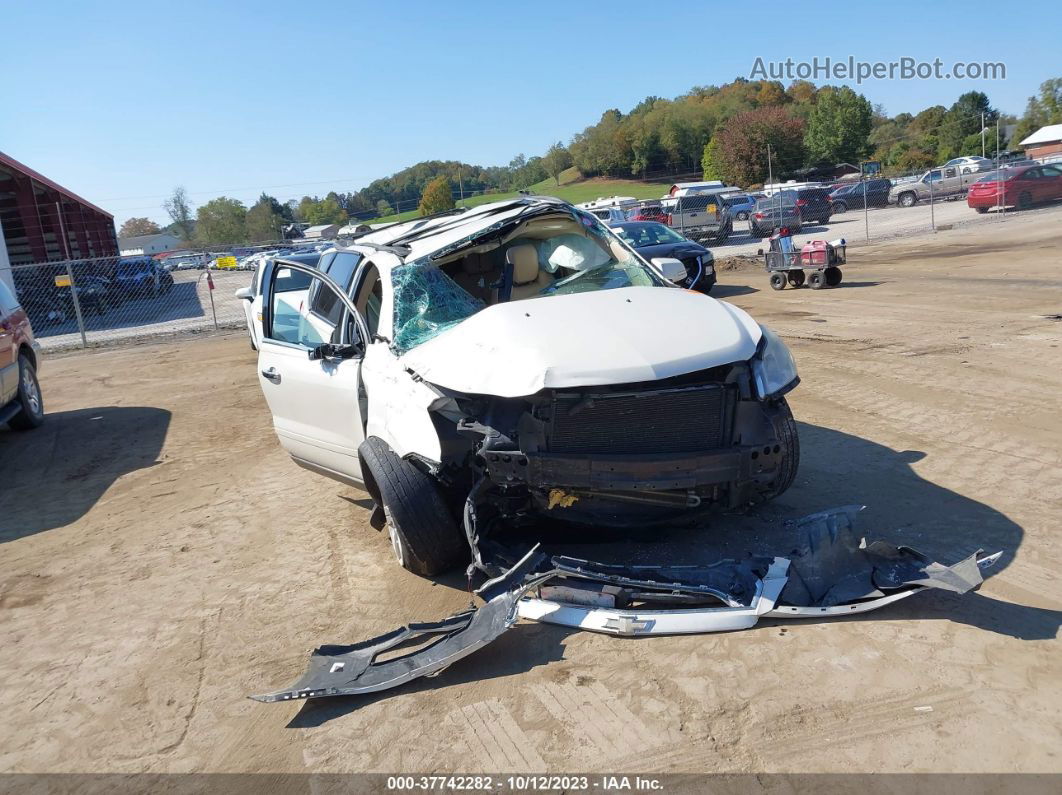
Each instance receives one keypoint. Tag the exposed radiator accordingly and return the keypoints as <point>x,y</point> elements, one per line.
<point>681,420</point>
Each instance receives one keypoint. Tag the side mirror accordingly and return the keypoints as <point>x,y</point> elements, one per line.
<point>329,350</point>
<point>244,294</point>
<point>673,270</point>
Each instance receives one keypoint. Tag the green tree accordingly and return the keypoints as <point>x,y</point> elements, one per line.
<point>437,196</point>
<point>710,161</point>
<point>179,208</point>
<point>383,208</point>
<point>556,159</point>
<point>839,127</point>
<point>322,211</point>
<point>221,221</point>
<point>1043,109</point>
<point>264,220</point>
<point>743,142</point>
<point>961,126</point>
<point>138,226</point>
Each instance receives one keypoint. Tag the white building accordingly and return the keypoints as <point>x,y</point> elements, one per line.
<point>321,232</point>
<point>147,244</point>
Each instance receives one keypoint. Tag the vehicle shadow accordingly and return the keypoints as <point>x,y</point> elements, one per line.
<point>1022,622</point>
<point>57,472</point>
<point>836,469</point>
<point>730,290</point>
<point>847,283</point>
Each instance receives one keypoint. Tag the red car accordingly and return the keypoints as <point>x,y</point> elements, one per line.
<point>1019,187</point>
<point>648,212</point>
<point>21,406</point>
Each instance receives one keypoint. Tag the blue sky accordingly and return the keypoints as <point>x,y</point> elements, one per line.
<point>120,101</point>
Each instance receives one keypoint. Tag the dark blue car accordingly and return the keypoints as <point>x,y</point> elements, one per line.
<point>653,240</point>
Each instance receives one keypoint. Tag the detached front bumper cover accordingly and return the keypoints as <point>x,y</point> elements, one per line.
<point>833,572</point>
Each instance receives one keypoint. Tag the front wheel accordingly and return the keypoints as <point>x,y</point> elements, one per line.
<point>981,210</point>
<point>839,207</point>
<point>816,281</point>
<point>28,397</point>
<point>1025,201</point>
<point>424,536</point>
<point>796,278</point>
<point>778,280</point>
<point>908,200</point>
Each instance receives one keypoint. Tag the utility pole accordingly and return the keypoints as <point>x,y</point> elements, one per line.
<point>983,137</point>
<point>999,179</point>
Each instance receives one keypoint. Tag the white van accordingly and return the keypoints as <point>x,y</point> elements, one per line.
<point>687,188</point>
<point>772,188</point>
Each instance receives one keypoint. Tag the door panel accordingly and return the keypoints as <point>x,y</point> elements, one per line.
<point>314,401</point>
<point>314,404</point>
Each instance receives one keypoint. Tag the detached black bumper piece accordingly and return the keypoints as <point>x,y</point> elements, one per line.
<point>832,572</point>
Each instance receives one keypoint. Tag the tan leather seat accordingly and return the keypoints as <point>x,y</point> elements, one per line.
<point>475,276</point>
<point>528,278</point>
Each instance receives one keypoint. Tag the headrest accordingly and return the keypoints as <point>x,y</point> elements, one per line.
<point>524,259</point>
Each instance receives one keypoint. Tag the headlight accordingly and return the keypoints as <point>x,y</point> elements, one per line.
<point>773,367</point>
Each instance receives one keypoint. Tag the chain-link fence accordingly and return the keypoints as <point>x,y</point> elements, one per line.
<point>88,302</point>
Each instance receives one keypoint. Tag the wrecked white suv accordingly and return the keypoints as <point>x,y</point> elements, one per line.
<point>490,368</point>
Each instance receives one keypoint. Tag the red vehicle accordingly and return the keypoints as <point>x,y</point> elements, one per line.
<point>1019,187</point>
<point>21,406</point>
<point>648,212</point>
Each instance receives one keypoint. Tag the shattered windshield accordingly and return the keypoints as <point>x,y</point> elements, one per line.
<point>576,256</point>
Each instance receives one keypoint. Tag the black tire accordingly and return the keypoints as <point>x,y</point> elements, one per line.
<point>816,280</point>
<point>981,210</point>
<point>833,276</point>
<point>778,280</point>
<point>796,278</point>
<point>425,538</point>
<point>908,199</point>
<point>839,207</point>
<point>785,431</point>
<point>1024,201</point>
<point>28,398</point>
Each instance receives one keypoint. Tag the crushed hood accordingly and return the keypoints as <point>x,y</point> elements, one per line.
<point>605,337</point>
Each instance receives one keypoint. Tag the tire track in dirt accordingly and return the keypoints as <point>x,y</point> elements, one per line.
<point>492,739</point>
<point>592,713</point>
<point>807,728</point>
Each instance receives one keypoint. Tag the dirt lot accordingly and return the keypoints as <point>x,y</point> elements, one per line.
<point>162,558</point>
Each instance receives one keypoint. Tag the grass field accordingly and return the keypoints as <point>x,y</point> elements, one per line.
<point>572,188</point>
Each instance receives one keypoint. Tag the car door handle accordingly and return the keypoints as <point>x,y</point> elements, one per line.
<point>272,374</point>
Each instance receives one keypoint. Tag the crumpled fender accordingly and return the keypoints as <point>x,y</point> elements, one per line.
<point>398,406</point>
